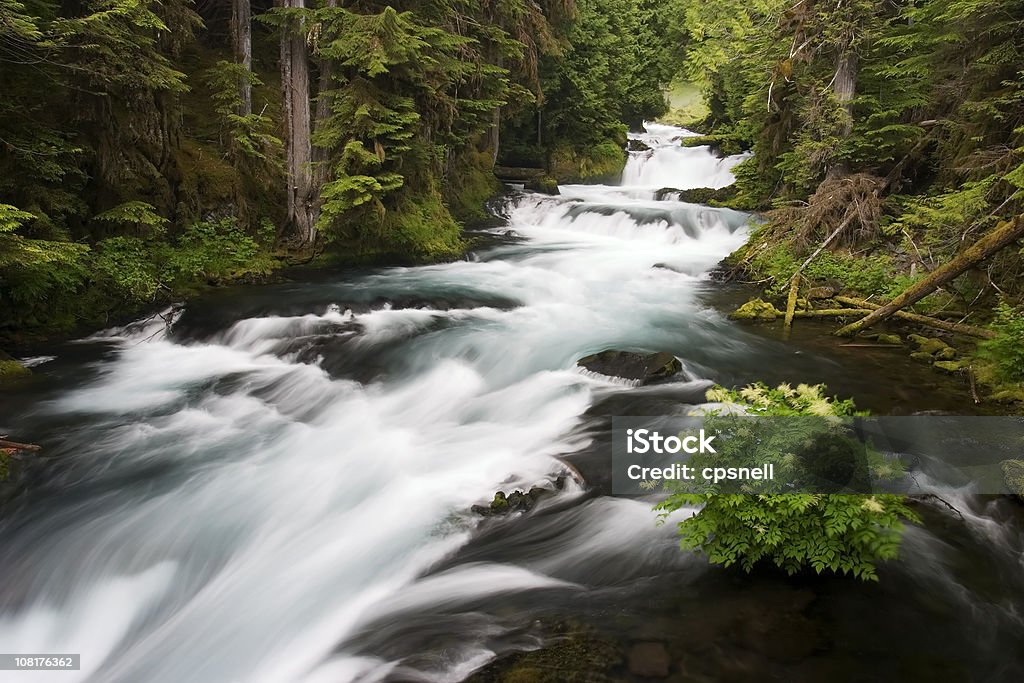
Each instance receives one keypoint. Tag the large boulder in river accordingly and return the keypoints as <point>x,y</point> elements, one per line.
<point>634,145</point>
<point>641,367</point>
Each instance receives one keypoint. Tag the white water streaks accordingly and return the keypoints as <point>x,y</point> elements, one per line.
<point>237,512</point>
<point>670,165</point>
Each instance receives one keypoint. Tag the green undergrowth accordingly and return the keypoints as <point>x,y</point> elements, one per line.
<point>64,287</point>
<point>838,533</point>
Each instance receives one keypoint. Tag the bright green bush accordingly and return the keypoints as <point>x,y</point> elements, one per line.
<point>1006,351</point>
<point>839,533</point>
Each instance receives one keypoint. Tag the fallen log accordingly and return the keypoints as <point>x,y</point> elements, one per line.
<point>832,312</point>
<point>15,446</point>
<point>794,289</point>
<point>927,321</point>
<point>1002,236</point>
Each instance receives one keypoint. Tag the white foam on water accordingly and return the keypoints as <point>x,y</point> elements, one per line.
<point>250,512</point>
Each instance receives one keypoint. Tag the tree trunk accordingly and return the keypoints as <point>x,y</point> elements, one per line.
<point>866,308</point>
<point>298,133</point>
<point>321,156</point>
<point>845,88</point>
<point>241,42</point>
<point>1003,235</point>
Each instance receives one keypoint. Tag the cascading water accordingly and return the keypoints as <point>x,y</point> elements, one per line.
<point>279,489</point>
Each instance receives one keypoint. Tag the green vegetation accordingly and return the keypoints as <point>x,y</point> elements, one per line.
<point>892,133</point>
<point>1006,350</point>
<point>605,71</point>
<point>836,532</point>
<point>148,148</point>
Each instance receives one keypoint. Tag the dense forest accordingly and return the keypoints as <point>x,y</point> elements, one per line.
<point>887,141</point>
<point>147,148</point>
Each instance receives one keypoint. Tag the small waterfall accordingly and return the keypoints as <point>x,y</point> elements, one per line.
<point>669,164</point>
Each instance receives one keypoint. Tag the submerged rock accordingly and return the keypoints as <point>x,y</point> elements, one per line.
<point>572,653</point>
<point>649,659</point>
<point>642,367</point>
<point>756,309</point>
<point>1013,475</point>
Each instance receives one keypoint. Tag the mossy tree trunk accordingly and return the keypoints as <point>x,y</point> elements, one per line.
<point>241,42</point>
<point>295,79</point>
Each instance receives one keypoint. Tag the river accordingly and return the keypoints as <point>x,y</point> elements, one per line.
<point>275,485</point>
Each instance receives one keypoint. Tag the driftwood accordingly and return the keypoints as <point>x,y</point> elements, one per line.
<point>15,446</point>
<point>958,328</point>
<point>1002,236</point>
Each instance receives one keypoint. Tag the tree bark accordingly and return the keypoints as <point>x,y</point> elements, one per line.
<point>1003,235</point>
<point>321,156</point>
<point>846,87</point>
<point>241,42</point>
<point>302,203</point>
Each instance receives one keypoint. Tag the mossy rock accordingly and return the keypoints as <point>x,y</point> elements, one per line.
<point>756,309</point>
<point>517,501</point>
<point>698,195</point>
<point>889,339</point>
<point>602,162</point>
<point>12,369</point>
<point>821,293</point>
<point>922,357</point>
<point>1013,475</point>
<point>950,366</point>
<point>1009,396</point>
<point>948,353</point>
<point>929,345</point>
<point>544,185</point>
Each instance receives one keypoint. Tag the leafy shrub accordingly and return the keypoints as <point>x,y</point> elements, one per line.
<point>126,266</point>
<point>35,275</point>
<point>213,250</point>
<point>871,275</point>
<point>841,533</point>
<point>1006,350</point>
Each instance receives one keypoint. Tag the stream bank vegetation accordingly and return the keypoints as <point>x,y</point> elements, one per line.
<point>148,149</point>
<point>888,142</point>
